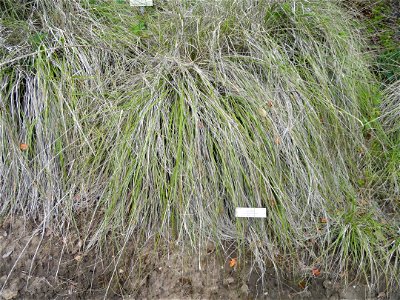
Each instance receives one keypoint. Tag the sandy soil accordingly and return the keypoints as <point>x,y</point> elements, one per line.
<point>48,266</point>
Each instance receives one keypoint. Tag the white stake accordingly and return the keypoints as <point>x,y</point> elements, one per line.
<point>141,2</point>
<point>250,212</point>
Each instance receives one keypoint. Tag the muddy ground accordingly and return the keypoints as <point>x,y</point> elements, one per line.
<point>48,266</point>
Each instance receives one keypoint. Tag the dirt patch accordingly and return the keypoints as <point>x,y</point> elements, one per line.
<point>48,266</point>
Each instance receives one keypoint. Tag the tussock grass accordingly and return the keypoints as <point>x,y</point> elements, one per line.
<point>159,125</point>
<point>390,117</point>
<point>391,109</point>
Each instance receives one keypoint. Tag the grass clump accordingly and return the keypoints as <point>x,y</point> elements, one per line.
<point>159,125</point>
<point>390,117</point>
<point>385,21</point>
<point>382,20</point>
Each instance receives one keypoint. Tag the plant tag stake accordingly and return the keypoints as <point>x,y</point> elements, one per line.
<point>249,212</point>
<point>141,2</point>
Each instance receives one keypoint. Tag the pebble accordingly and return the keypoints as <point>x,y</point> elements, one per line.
<point>228,281</point>
<point>382,295</point>
<point>327,284</point>
<point>262,112</point>
<point>210,247</point>
<point>244,289</point>
<point>8,251</point>
<point>334,297</point>
<point>9,294</point>
<point>354,292</point>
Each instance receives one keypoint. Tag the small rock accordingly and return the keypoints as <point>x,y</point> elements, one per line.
<point>354,292</point>
<point>334,297</point>
<point>262,112</point>
<point>78,258</point>
<point>244,289</point>
<point>228,281</point>
<point>8,294</point>
<point>8,251</point>
<point>327,284</point>
<point>210,247</point>
<point>382,295</point>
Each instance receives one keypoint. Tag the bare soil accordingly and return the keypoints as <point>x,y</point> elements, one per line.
<point>34,265</point>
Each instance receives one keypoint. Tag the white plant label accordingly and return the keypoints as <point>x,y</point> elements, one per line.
<point>141,2</point>
<point>249,212</point>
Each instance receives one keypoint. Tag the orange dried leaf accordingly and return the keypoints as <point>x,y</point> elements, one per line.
<point>316,272</point>
<point>233,262</point>
<point>324,220</point>
<point>302,284</point>
<point>23,147</point>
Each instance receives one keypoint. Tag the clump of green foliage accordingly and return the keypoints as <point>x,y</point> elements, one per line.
<point>158,125</point>
<point>383,25</point>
